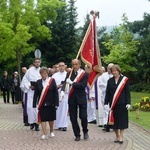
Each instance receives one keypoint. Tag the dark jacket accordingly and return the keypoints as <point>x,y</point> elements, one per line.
<point>124,97</point>
<point>5,83</point>
<point>79,95</point>
<point>14,84</point>
<point>51,98</point>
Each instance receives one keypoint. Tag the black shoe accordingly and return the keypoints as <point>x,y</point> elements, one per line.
<point>77,138</point>
<point>26,124</point>
<point>116,141</point>
<point>93,122</point>
<point>64,129</point>
<point>120,142</point>
<point>107,130</point>
<point>86,136</point>
<point>100,126</point>
<point>37,127</point>
<point>104,129</point>
<point>32,126</point>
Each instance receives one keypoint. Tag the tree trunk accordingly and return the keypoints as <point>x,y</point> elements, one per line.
<point>18,63</point>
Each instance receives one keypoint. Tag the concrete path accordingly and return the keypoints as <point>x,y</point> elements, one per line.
<point>15,136</point>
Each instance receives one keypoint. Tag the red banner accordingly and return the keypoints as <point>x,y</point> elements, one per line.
<point>90,53</point>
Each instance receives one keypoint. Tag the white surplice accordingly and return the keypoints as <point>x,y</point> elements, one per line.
<point>33,75</point>
<point>100,104</point>
<point>91,109</point>
<point>102,82</point>
<point>62,111</point>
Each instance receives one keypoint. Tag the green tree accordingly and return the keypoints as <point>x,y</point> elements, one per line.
<point>122,47</point>
<point>71,31</point>
<point>22,26</point>
<point>86,24</point>
<point>142,31</point>
<point>56,48</point>
<point>64,43</point>
<point>102,36</point>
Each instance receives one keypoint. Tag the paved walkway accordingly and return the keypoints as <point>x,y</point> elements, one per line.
<point>15,136</point>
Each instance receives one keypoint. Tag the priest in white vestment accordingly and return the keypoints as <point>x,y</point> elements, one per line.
<point>27,86</point>
<point>91,110</point>
<point>90,95</point>
<point>61,121</point>
<point>102,85</point>
<point>99,103</point>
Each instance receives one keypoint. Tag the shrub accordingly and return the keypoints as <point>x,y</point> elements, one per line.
<point>140,87</point>
<point>143,105</point>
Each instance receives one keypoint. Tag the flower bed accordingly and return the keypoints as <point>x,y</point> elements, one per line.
<point>143,105</point>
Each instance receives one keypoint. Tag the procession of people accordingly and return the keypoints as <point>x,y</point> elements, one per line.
<point>60,97</point>
<point>80,95</point>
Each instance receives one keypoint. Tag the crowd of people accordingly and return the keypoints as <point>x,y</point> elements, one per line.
<point>11,84</point>
<point>59,94</point>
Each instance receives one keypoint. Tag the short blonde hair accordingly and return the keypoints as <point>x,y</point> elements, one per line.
<point>44,69</point>
<point>116,67</point>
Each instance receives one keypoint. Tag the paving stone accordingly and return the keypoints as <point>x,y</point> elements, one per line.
<point>15,136</point>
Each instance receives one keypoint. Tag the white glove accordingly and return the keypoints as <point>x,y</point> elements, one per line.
<point>61,95</point>
<point>106,107</point>
<point>69,81</point>
<point>128,106</point>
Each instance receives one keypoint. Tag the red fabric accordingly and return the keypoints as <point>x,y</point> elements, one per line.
<point>111,118</point>
<point>87,46</point>
<point>90,54</point>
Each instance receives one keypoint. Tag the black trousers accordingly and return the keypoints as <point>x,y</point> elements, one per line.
<point>16,95</point>
<point>6,95</point>
<point>73,111</point>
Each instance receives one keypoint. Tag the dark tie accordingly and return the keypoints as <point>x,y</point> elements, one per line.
<point>76,73</point>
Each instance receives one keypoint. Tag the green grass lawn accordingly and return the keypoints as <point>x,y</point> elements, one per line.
<point>144,117</point>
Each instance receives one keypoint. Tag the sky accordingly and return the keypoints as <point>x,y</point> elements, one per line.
<point>111,11</point>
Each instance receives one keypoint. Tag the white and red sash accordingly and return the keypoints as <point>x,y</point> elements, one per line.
<point>42,97</point>
<point>115,99</point>
<point>77,79</point>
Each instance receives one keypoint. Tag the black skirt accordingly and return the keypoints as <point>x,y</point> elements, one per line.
<point>120,117</point>
<point>47,113</point>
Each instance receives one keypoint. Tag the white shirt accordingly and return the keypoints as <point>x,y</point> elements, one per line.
<point>44,82</point>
